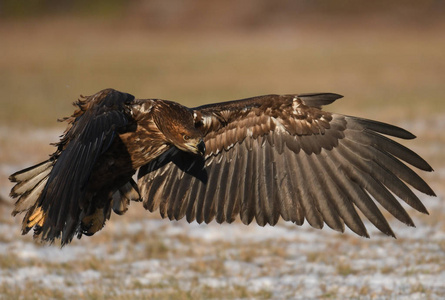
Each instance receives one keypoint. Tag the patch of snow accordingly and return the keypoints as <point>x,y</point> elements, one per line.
<point>213,282</point>
<point>261,283</point>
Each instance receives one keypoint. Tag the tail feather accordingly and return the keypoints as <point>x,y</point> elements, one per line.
<point>27,185</point>
<point>29,198</point>
<point>30,172</point>
<point>30,185</point>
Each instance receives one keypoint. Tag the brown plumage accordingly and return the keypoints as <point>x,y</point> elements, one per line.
<point>258,158</point>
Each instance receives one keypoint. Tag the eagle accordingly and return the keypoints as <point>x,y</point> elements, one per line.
<point>259,158</point>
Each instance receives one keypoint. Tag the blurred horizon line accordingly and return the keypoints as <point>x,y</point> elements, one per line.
<point>230,14</point>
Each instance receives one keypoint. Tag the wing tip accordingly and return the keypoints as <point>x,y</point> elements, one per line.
<point>12,178</point>
<point>319,99</point>
<point>407,135</point>
<point>390,233</point>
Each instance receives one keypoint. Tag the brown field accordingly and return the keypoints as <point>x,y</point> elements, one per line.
<point>391,73</point>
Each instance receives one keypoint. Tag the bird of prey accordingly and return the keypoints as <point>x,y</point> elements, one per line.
<point>259,158</point>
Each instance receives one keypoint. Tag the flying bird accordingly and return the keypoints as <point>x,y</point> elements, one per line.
<point>259,158</point>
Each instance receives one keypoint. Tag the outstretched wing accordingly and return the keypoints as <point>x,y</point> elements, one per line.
<point>273,156</point>
<point>91,131</point>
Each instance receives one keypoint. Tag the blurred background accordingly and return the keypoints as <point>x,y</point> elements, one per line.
<point>386,57</point>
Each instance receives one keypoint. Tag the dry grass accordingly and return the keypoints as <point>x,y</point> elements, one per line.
<point>390,74</point>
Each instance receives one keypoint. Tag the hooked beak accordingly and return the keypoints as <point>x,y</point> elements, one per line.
<point>201,148</point>
<point>197,147</point>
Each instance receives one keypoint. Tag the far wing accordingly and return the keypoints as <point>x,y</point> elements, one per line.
<point>273,156</point>
<point>92,131</point>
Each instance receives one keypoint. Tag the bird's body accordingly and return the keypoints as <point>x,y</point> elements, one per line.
<point>259,158</point>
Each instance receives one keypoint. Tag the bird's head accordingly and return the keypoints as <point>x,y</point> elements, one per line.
<point>191,143</point>
<point>177,124</point>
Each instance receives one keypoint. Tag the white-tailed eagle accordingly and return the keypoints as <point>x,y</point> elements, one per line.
<point>260,158</point>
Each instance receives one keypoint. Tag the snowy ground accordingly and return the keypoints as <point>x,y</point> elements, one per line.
<point>140,256</point>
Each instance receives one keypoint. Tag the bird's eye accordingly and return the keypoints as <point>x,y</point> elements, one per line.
<point>186,137</point>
